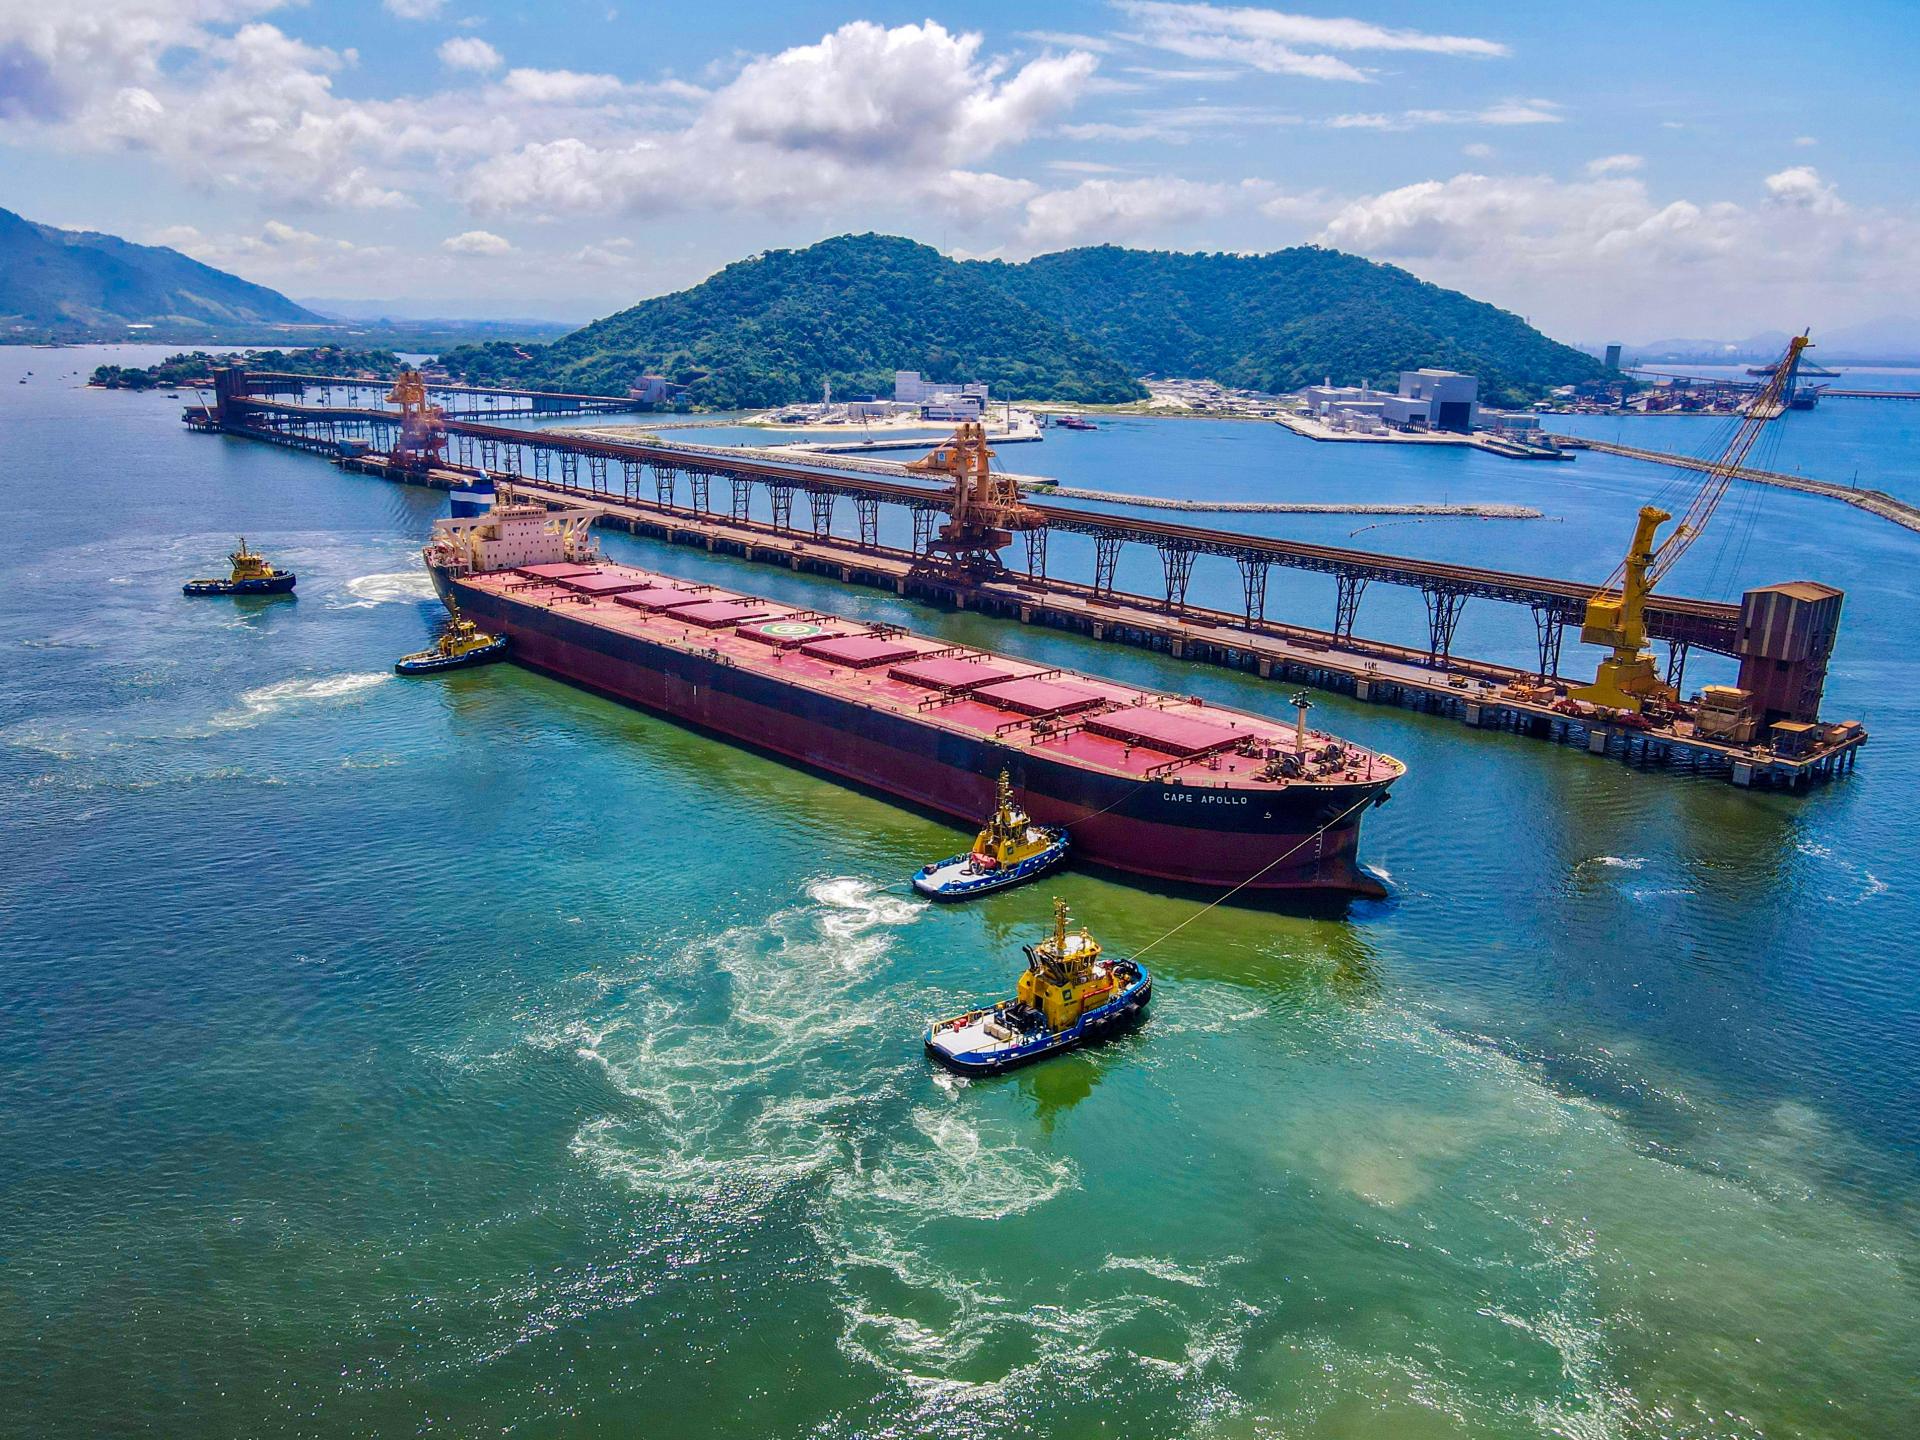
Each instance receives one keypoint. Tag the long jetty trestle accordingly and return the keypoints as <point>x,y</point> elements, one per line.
<point>1430,677</point>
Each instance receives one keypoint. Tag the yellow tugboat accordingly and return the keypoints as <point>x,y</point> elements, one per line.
<point>252,575</point>
<point>1009,850</point>
<point>1068,996</point>
<point>461,644</point>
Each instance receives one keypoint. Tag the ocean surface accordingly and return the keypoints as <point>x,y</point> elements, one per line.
<point>477,1055</point>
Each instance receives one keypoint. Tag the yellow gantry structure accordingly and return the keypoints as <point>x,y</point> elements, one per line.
<point>1060,980</point>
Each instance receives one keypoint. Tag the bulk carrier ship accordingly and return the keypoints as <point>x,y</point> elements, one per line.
<point>1154,785</point>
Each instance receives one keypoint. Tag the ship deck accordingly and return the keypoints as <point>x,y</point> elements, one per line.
<point>1078,719</point>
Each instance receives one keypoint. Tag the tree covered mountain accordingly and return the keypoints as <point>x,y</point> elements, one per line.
<point>78,281</point>
<point>1282,320</point>
<point>852,310</point>
<point>1076,326</point>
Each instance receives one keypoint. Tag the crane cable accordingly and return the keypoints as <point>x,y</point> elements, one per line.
<point>1768,403</point>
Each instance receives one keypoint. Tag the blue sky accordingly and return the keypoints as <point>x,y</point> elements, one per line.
<point>1610,171</point>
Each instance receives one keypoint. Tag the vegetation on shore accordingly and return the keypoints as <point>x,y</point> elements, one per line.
<point>777,327</point>
<point>196,367</point>
<point>1279,321</point>
<point>1077,326</point>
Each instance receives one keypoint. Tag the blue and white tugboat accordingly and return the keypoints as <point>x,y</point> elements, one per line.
<point>1067,997</point>
<point>460,645</point>
<point>251,575</point>
<point>1009,850</point>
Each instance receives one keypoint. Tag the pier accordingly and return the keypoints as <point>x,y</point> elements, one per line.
<point>1874,502</point>
<point>744,504</point>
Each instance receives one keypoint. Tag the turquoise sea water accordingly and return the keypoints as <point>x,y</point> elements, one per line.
<point>478,1055</point>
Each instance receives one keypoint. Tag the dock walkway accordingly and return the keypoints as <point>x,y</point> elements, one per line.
<point>1874,502</point>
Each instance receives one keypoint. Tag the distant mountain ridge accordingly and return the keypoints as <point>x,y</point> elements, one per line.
<point>76,281</point>
<point>1080,326</point>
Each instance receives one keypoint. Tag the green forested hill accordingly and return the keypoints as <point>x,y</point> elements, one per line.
<point>1077,326</point>
<point>1286,319</point>
<point>62,281</point>
<point>852,310</point>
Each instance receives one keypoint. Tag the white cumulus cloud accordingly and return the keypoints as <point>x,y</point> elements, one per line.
<point>1615,164</point>
<point>1602,253</point>
<point>476,242</point>
<point>1121,209</point>
<point>467,52</point>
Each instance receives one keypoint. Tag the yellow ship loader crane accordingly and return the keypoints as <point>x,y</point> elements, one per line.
<point>1616,615</point>
<point>422,440</point>
<point>985,506</point>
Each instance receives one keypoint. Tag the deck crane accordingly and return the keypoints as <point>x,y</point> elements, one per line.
<point>1627,679</point>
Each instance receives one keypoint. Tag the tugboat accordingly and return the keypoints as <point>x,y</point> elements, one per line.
<point>1067,996</point>
<point>252,575</point>
<point>461,644</point>
<point>1074,422</point>
<point>1010,850</point>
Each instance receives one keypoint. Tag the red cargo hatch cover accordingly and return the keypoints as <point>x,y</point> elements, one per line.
<point>666,597</point>
<point>862,652</point>
<point>1172,734</point>
<point>717,614</point>
<point>603,584</point>
<point>557,571</point>
<point>1039,697</point>
<point>951,673</point>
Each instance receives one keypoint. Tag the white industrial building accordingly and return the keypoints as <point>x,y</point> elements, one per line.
<point>1452,400</point>
<point>1426,400</point>
<point>938,401</point>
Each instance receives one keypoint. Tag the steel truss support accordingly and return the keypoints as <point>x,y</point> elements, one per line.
<point>1346,604</point>
<point>1551,628</point>
<point>1253,587</point>
<point>1176,563</point>
<point>597,473</point>
<point>630,479</point>
<point>542,462</point>
<point>463,450</point>
<point>782,495</point>
<point>570,469</point>
<point>1036,540</point>
<point>663,478</point>
<point>868,509</point>
<point>1106,555</point>
<point>1443,614</point>
<point>1677,664</point>
<point>742,496</point>
<point>702,482</point>
<point>924,521</point>
<point>821,503</point>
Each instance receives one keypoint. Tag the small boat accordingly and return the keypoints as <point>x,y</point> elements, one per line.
<point>1009,850</point>
<point>461,644</point>
<point>252,575</point>
<point>1074,422</point>
<point>1068,996</point>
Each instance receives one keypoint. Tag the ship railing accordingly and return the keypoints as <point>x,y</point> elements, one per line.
<point>945,697</point>
<point>1072,725</point>
<point>1210,757</point>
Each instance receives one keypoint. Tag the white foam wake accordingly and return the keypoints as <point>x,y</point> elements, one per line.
<point>267,700</point>
<point>405,586</point>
